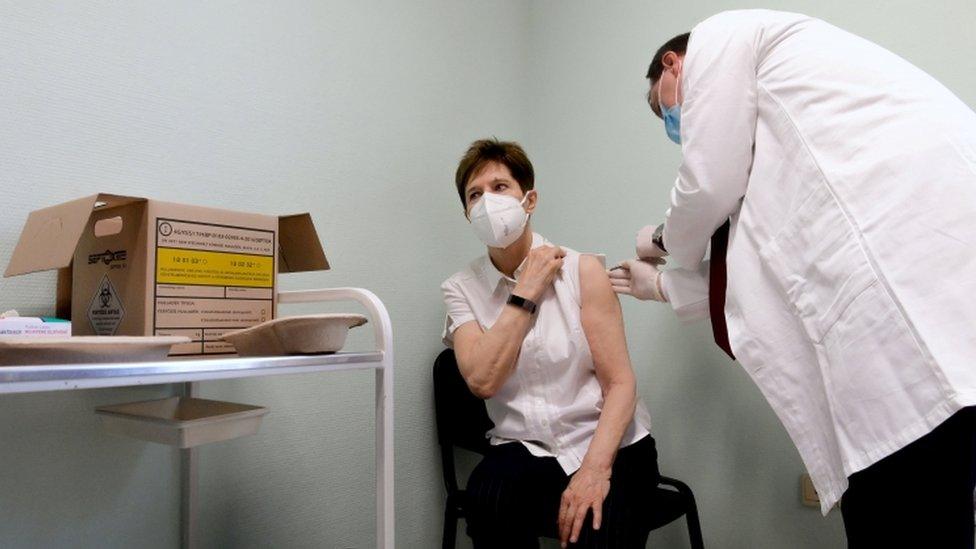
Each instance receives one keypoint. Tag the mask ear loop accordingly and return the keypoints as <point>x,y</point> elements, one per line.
<point>677,84</point>
<point>660,101</point>
<point>522,205</point>
<point>526,197</point>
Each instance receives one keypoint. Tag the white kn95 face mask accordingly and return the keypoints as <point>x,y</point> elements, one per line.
<point>498,219</point>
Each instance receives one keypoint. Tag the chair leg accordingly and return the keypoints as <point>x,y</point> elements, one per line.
<point>450,526</point>
<point>691,510</point>
<point>694,526</point>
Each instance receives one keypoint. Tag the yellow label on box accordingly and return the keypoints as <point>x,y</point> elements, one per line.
<point>195,267</point>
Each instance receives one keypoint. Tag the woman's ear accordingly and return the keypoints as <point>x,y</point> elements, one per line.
<point>531,200</point>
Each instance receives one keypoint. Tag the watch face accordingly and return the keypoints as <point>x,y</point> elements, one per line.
<point>658,238</point>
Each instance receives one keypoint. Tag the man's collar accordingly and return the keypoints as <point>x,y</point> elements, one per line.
<point>494,277</point>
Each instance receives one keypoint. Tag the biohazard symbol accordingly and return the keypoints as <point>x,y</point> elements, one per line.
<point>105,311</point>
<point>105,295</point>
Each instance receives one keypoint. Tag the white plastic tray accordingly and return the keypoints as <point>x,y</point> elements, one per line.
<point>182,422</point>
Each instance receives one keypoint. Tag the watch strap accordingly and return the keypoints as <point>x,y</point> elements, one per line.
<point>523,303</point>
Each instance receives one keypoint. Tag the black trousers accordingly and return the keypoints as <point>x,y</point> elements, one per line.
<point>920,496</point>
<point>514,499</point>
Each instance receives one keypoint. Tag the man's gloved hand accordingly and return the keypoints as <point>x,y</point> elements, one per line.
<point>639,278</point>
<point>646,248</point>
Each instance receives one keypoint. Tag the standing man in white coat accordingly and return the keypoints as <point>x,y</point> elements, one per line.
<point>836,183</point>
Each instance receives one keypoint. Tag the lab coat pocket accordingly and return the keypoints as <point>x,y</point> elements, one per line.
<point>817,260</point>
<point>872,360</point>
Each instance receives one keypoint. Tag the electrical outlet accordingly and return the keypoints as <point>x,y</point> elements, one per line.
<point>808,494</point>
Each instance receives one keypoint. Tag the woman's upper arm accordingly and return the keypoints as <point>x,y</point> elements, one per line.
<point>603,323</point>
<point>465,337</point>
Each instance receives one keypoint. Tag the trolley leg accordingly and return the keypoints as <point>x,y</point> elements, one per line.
<point>188,486</point>
<point>384,458</point>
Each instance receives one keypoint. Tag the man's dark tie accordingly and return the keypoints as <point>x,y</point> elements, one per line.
<point>717,282</point>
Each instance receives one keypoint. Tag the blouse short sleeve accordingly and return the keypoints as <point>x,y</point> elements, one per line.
<point>458,311</point>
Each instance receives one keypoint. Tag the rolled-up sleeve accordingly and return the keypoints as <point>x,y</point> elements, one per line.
<point>718,126</point>
<point>458,311</point>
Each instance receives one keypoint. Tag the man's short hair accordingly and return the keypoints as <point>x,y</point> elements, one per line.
<point>508,153</point>
<point>678,44</point>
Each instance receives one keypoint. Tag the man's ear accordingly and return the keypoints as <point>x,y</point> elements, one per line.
<point>671,62</point>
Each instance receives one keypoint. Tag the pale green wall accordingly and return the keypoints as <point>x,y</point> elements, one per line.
<point>357,112</point>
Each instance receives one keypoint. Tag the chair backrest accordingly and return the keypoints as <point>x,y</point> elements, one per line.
<point>462,418</point>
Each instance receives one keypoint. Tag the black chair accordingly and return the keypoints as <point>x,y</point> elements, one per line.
<point>462,421</point>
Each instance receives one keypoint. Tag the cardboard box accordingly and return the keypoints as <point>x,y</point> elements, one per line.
<point>32,326</point>
<point>134,266</point>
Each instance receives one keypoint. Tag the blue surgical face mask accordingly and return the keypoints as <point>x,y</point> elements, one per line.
<point>672,122</point>
<point>671,116</point>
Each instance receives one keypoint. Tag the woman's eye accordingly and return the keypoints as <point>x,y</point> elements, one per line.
<point>473,196</point>
<point>501,187</point>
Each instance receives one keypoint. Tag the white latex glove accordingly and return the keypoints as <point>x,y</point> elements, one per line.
<point>646,248</point>
<point>639,278</point>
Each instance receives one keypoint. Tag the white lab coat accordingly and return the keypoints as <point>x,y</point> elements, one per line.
<point>850,177</point>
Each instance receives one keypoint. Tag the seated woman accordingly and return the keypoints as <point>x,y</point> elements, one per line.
<point>537,331</point>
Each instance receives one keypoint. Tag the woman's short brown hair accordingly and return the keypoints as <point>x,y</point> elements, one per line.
<point>508,153</point>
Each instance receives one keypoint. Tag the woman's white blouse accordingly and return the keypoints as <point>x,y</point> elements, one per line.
<point>552,401</point>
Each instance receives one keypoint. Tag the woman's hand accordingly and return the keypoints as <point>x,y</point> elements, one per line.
<point>541,267</point>
<point>587,490</point>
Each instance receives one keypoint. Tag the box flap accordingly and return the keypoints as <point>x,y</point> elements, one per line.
<point>112,200</point>
<point>50,235</point>
<point>299,246</point>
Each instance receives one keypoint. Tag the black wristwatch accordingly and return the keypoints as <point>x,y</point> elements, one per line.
<point>658,238</point>
<point>523,303</point>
